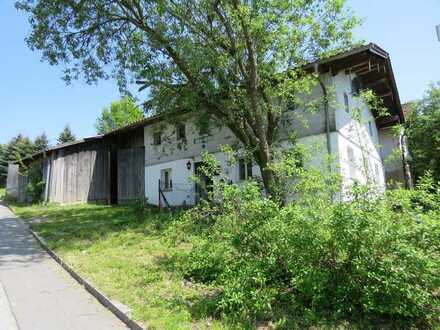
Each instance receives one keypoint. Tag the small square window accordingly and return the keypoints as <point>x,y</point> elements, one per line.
<point>356,86</point>
<point>157,138</point>
<point>244,169</point>
<point>346,104</point>
<point>180,132</point>
<point>370,128</point>
<point>166,183</point>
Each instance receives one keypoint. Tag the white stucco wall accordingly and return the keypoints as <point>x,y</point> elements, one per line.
<point>354,133</point>
<point>347,133</point>
<point>391,155</point>
<point>183,191</point>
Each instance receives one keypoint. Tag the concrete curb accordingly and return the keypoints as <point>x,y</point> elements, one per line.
<point>106,302</point>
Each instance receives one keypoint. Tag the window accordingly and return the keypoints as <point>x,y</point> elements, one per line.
<point>347,105</point>
<point>370,128</point>
<point>166,183</point>
<point>157,138</point>
<point>356,86</point>
<point>180,132</point>
<point>244,169</point>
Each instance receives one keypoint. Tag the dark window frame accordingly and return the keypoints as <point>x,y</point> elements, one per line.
<point>181,132</point>
<point>157,138</point>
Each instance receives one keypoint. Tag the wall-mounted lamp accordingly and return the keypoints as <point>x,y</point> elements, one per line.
<point>188,165</point>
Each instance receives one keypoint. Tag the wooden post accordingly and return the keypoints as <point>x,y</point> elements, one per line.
<point>160,204</point>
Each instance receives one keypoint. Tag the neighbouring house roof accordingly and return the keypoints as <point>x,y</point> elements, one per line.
<point>369,62</point>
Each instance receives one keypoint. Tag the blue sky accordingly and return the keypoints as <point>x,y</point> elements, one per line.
<point>34,99</point>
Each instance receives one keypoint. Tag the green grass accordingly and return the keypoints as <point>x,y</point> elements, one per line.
<point>135,262</point>
<point>2,192</point>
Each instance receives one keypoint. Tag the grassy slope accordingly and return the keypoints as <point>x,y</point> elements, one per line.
<point>132,261</point>
<point>2,192</point>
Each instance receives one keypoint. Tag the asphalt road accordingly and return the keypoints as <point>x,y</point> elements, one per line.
<point>36,293</point>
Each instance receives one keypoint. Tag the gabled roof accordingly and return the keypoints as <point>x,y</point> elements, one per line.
<point>372,65</point>
<point>369,62</point>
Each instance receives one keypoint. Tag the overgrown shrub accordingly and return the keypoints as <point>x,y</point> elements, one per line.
<point>368,261</point>
<point>35,186</point>
<point>140,208</point>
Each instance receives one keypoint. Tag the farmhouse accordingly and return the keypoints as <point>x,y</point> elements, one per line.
<point>157,158</point>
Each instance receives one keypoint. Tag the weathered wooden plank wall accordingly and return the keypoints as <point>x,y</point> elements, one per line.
<point>81,172</point>
<point>22,184</point>
<point>131,178</point>
<point>78,174</point>
<point>12,181</point>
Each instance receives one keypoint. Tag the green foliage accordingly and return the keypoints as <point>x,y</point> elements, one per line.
<point>423,134</point>
<point>141,209</point>
<point>41,143</point>
<point>371,262</point>
<point>129,260</point>
<point>66,136</point>
<point>239,62</point>
<point>119,114</point>
<point>17,149</point>
<point>35,186</point>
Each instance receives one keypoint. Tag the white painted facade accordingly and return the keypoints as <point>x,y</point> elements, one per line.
<point>354,144</point>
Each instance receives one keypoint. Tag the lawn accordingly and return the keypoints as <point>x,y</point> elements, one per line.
<point>2,192</point>
<point>135,262</point>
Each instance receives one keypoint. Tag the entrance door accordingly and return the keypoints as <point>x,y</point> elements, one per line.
<point>204,184</point>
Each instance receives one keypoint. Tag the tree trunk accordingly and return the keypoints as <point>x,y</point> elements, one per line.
<point>263,159</point>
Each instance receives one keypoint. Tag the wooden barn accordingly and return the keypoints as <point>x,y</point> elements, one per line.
<point>101,169</point>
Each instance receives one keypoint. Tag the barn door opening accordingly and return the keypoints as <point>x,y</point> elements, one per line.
<point>113,177</point>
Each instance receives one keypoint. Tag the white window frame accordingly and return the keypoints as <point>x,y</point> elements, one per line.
<point>166,181</point>
<point>246,167</point>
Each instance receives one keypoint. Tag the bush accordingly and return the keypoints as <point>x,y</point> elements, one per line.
<point>35,186</point>
<point>371,262</point>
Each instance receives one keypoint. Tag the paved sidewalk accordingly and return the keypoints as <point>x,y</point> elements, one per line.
<point>36,293</point>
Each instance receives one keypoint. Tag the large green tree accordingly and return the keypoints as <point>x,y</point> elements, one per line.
<point>238,62</point>
<point>16,150</point>
<point>118,114</point>
<point>41,142</point>
<point>423,134</point>
<point>66,136</point>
